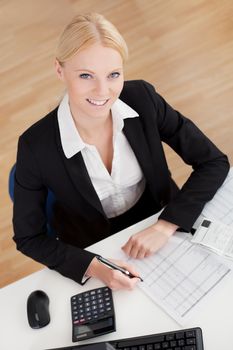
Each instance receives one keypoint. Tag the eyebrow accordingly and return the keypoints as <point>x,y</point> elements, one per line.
<point>90,71</point>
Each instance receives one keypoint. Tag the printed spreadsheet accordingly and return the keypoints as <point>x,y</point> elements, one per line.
<point>179,276</point>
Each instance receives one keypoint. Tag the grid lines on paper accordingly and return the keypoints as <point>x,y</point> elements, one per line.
<point>180,275</point>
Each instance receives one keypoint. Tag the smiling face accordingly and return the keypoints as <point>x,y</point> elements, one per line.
<point>94,80</point>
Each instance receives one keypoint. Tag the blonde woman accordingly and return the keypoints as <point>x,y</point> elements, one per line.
<point>100,153</point>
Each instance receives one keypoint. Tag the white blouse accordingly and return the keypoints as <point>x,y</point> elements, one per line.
<point>121,189</point>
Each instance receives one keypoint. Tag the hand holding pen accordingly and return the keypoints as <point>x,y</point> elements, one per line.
<point>114,266</point>
<point>115,274</point>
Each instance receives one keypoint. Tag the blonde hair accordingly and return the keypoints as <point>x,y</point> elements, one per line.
<point>86,30</point>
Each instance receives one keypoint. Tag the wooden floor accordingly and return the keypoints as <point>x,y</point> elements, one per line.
<point>185,48</point>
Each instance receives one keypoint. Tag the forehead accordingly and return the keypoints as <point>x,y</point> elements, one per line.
<point>96,57</point>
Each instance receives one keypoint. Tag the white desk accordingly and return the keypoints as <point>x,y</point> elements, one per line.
<point>136,314</point>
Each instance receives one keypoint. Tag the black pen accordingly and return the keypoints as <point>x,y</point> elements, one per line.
<point>116,267</point>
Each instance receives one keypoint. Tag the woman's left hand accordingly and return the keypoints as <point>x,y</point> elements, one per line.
<point>148,241</point>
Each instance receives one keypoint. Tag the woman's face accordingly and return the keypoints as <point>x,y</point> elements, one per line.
<point>94,80</point>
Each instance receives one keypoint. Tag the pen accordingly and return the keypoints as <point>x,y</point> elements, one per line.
<point>116,267</point>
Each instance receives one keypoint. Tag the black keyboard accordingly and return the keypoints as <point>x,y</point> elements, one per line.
<point>185,339</point>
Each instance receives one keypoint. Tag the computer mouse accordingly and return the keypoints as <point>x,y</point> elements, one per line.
<point>38,309</point>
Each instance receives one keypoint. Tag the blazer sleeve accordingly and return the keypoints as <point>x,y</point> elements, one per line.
<point>29,221</point>
<point>210,165</point>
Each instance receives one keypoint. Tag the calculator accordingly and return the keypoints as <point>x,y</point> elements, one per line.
<point>92,313</point>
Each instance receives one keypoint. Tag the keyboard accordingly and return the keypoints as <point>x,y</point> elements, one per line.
<point>185,339</point>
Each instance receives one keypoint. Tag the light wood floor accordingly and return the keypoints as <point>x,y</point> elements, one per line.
<point>185,48</point>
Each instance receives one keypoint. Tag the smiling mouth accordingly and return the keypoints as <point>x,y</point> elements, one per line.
<point>97,102</point>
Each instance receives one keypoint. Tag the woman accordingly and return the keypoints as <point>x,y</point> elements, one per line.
<point>100,153</point>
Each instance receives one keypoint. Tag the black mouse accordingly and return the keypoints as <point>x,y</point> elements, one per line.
<point>38,309</point>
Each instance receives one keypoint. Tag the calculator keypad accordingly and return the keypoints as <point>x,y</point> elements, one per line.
<point>91,306</point>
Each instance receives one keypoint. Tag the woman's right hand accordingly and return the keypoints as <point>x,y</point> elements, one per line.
<point>114,279</point>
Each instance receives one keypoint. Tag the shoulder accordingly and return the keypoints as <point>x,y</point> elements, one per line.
<point>137,87</point>
<point>42,128</point>
<point>41,137</point>
<point>138,93</point>
<point>138,90</point>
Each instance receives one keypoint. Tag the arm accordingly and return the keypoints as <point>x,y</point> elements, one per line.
<point>210,168</point>
<point>29,221</point>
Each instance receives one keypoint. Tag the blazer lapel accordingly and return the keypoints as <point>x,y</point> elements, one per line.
<point>81,180</point>
<point>77,171</point>
<point>151,164</point>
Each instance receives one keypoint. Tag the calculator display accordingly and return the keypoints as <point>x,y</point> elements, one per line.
<point>93,327</point>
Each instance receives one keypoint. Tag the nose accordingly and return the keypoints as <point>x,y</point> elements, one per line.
<point>102,88</point>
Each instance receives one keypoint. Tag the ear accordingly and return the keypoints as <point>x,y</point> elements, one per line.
<point>59,70</point>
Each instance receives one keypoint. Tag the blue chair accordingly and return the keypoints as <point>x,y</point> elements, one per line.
<point>49,202</point>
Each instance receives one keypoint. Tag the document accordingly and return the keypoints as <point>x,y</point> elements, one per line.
<point>221,206</point>
<point>215,236</point>
<point>179,276</point>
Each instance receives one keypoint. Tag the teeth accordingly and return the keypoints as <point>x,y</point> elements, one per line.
<point>97,103</point>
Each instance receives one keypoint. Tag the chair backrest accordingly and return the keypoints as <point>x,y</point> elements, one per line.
<point>49,202</point>
<point>11,182</point>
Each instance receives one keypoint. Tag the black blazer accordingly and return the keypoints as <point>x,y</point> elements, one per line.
<point>80,219</point>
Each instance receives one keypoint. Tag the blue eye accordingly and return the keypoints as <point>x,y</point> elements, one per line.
<point>85,76</point>
<point>114,75</point>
